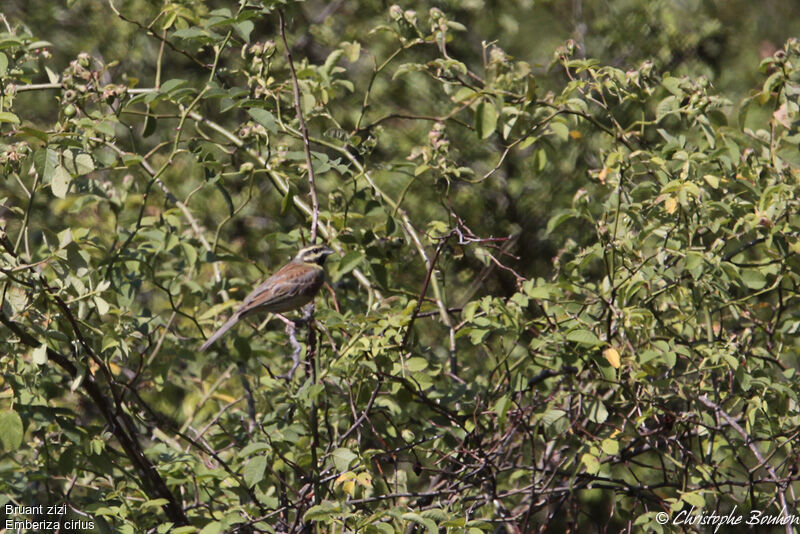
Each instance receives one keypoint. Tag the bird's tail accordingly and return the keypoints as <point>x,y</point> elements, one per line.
<point>224,328</point>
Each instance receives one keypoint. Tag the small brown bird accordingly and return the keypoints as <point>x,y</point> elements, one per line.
<point>292,286</point>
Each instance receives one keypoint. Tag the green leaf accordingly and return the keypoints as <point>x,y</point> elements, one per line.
<point>556,220</point>
<point>352,50</point>
<point>150,124</point>
<point>307,102</point>
<point>253,448</point>
<point>342,458</point>
<point>591,462</point>
<point>754,279</point>
<point>3,64</point>
<point>11,431</point>
<point>287,201</point>
<point>560,129</point>
<point>154,504</point>
<point>537,292</point>
<point>46,161</point>
<point>384,528</point>
<point>672,85</point>
<point>244,29</point>
<point>264,118</point>
<point>485,119</point>
<point>584,337</point>
<point>551,416</point>
<point>666,107</point>
<point>463,94</point>
<point>598,412</point>
<point>416,364</point>
<point>610,446</point>
<point>215,527</point>
<point>101,305</point>
<point>350,261</point>
<point>35,45</point>
<point>477,335</point>
<point>171,85</point>
<point>59,182</point>
<point>78,163</point>
<point>694,498</point>
<point>7,116</point>
<point>254,470</point>
<point>406,68</point>
<point>322,512</point>
<point>429,525</point>
<point>501,408</point>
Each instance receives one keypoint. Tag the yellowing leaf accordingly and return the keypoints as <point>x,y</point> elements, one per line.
<point>6,116</point>
<point>347,481</point>
<point>365,479</point>
<point>610,446</point>
<point>348,487</point>
<point>575,134</point>
<point>670,205</point>
<point>224,398</point>
<point>591,462</point>
<point>344,477</point>
<point>711,180</point>
<point>612,356</point>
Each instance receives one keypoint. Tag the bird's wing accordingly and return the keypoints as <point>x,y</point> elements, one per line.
<point>289,287</point>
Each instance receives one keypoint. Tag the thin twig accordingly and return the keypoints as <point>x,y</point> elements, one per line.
<point>428,274</point>
<point>751,444</point>
<point>283,187</point>
<point>312,190</point>
<point>151,480</point>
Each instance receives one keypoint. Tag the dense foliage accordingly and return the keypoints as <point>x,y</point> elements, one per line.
<point>564,295</point>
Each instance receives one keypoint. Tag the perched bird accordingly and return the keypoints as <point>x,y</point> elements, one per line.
<point>292,286</point>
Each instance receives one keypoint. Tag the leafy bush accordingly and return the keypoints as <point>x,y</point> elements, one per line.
<point>562,296</point>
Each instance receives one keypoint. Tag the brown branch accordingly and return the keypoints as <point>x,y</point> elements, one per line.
<point>154,35</point>
<point>431,266</point>
<point>151,481</point>
<point>364,414</point>
<point>119,422</point>
<point>751,444</point>
<point>549,373</point>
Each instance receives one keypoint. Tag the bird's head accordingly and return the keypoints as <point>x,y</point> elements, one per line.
<point>313,254</point>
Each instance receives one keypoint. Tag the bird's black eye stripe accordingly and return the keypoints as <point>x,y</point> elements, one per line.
<point>313,253</point>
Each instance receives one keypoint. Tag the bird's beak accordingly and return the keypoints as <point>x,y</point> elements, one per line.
<point>327,251</point>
